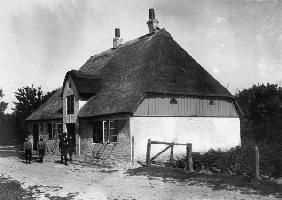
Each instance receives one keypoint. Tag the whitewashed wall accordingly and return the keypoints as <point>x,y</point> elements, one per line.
<point>203,132</point>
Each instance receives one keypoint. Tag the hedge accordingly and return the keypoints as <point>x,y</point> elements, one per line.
<point>236,161</point>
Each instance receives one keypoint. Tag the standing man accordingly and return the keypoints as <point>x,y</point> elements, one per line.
<point>63,145</point>
<point>71,147</point>
<point>27,149</point>
<point>41,146</point>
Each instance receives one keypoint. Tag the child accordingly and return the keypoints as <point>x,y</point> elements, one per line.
<point>27,149</point>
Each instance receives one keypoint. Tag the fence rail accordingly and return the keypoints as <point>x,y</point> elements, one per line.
<point>168,143</point>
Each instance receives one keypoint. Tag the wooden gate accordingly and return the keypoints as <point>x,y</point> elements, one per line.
<point>189,161</point>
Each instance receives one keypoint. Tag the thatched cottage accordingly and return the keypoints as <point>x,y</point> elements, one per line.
<point>145,88</point>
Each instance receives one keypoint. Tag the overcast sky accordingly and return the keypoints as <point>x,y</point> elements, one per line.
<point>239,42</point>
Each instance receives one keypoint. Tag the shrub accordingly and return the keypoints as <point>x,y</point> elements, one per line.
<point>236,161</point>
<point>271,160</point>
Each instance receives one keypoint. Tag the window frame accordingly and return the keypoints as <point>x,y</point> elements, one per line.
<point>114,128</point>
<point>70,104</point>
<point>56,130</point>
<point>50,131</point>
<point>108,127</point>
<point>97,127</point>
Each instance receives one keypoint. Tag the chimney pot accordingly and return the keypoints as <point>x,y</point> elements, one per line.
<point>151,13</point>
<point>117,41</point>
<point>153,23</point>
<point>117,32</point>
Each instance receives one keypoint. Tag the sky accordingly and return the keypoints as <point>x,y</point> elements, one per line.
<point>239,42</point>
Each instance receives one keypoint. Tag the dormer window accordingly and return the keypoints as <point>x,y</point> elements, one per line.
<point>70,104</point>
<point>69,84</point>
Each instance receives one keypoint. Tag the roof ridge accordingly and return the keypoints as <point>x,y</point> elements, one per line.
<point>162,31</point>
<point>102,58</point>
<point>81,74</point>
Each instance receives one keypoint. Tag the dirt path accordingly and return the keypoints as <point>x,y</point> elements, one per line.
<point>87,180</point>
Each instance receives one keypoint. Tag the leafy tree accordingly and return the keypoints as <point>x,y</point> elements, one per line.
<point>261,105</point>
<point>260,102</point>
<point>7,124</point>
<point>3,105</point>
<point>28,100</point>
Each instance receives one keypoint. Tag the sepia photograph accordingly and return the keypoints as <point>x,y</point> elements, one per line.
<point>140,100</point>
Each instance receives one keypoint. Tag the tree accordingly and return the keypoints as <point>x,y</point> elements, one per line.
<point>3,105</point>
<point>262,105</point>
<point>28,100</point>
<point>7,124</point>
<point>260,102</point>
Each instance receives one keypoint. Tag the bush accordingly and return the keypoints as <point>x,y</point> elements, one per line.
<point>271,160</point>
<point>236,161</point>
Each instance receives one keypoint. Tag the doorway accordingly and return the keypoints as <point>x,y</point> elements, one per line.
<point>35,133</point>
<point>71,130</point>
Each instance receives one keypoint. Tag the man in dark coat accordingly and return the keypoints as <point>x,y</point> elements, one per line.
<point>63,145</point>
<point>41,146</point>
<point>71,147</point>
<point>27,149</point>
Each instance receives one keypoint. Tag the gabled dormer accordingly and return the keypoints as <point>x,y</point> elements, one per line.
<point>78,87</point>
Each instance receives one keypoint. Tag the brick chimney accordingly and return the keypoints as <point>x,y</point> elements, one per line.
<point>117,41</point>
<point>153,23</point>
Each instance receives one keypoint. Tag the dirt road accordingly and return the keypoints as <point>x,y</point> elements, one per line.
<point>85,179</point>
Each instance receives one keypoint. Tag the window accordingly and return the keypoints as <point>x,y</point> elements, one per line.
<point>70,104</point>
<point>211,102</point>
<point>41,131</point>
<point>55,130</point>
<point>113,133</point>
<point>98,132</point>
<point>173,101</point>
<point>50,134</point>
<point>105,131</point>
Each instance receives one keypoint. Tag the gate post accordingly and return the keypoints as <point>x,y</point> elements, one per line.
<point>255,163</point>
<point>148,152</point>
<point>189,160</point>
<point>171,152</point>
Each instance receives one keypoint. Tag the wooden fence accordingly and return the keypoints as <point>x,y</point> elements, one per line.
<point>189,162</point>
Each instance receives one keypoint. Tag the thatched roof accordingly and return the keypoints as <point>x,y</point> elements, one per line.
<point>86,84</point>
<point>51,109</point>
<point>151,63</point>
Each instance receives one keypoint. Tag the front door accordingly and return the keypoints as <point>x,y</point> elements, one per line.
<point>71,130</point>
<point>35,132</point>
